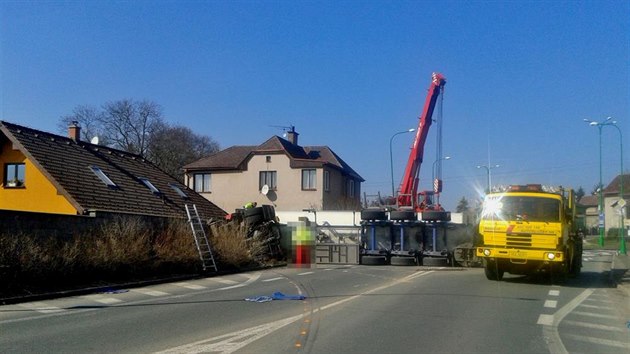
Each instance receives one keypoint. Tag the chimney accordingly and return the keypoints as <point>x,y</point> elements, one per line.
<point>292,136</point>
<point>74,131</point>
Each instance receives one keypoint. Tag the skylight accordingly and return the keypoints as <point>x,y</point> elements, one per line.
<point>102,176</point>
<point>150,185</point>
<point>178,190</point>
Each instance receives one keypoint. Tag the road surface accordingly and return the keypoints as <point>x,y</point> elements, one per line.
<point>347,309</point>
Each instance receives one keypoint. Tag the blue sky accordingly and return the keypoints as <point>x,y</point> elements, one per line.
<point>521,77</point>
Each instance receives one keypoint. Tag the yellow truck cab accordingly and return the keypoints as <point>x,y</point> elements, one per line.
<point>526,229</point>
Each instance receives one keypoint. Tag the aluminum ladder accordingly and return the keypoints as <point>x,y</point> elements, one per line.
<point>201,240</point>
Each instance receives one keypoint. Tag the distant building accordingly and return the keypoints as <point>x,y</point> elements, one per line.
<point>278,172</point>
<point>612,211</point>
<point>48,173</point>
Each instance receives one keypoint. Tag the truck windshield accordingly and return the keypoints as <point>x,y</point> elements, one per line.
<point>519,208</point>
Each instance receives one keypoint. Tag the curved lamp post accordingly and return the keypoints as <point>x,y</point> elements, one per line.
<point>488,168</point>
<point>622,240</point>
<point>391,157</point>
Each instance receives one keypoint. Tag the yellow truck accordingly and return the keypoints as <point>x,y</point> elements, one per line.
<point>527,229</point>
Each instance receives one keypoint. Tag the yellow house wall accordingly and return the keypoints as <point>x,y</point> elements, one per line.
<point>38,194</point>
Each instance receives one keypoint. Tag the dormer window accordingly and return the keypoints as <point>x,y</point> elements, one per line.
<point>150,185</point>
<point>103,177</point>
<point>178,190</point>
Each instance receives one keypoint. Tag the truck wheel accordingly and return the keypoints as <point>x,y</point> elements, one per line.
<point>402,215</point>
<point>403,261</point>
<point>373,260</point>
<point>373,215</point>
<point>492,271</point>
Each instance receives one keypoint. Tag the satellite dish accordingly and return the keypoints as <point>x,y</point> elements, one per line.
<point>265,189</point>
<point>94,140</point>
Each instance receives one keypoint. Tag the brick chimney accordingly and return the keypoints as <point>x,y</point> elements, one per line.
<point>74,131</point>
<point>292,136</point>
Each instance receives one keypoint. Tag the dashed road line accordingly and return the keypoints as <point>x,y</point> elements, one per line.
<point>154,293</point>
<point>191,286</point>
<point>102,299</point>
<point>306,273</point>
<point>551,304</point>
<point>41,307</point>
<point>224,281</point>
<point>554,292</point>
<point>272,279</point>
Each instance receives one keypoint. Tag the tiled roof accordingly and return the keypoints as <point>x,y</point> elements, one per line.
<point>614,186</point>
<point>67,163</point>
<point>235,157</point>
<point>589,200</point>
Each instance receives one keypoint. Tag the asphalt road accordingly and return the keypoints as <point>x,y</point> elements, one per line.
<point>348,309</point>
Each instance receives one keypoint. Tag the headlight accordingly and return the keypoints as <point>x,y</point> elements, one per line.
<point>486,253</point>
<point>551,256</point>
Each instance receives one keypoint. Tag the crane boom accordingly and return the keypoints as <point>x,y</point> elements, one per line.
<point>409,186</point>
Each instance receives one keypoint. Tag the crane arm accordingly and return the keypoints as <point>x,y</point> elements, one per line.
<point>409,185</point>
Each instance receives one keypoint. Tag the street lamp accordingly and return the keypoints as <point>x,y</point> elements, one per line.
<point>622,238</point>
<point>488,168</point>
<point>433,176</point>
<point>391,156</point>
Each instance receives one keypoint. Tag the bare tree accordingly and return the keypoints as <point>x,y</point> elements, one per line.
<point>88,118</point>
<point>172,147</point>
<point>138,127</point>
<point>128,124</point>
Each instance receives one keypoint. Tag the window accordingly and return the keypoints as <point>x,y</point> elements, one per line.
<point>309,181</point>
<point>350,188</point>
<point>14,174</point>
<point>150,185</point>
<point>178,190</point>
<point>269,178</point>
<point>327,181</point>
<point>268,158</point>
<point>202,182</point>
<point>103,177</point>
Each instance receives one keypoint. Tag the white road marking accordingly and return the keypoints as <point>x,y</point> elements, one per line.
<point>150,292</point>
<point>599,341</point>
<point>551,304</point>
<point>554,292</point>
<point>306,273</point>
<point>231,342</point>
<point>550,323</point>
<point>232,287</point>
<point>272,279</point>
<point>545,320</point>
<point>41,307</point>
<point>224,281</point>
<point>595,307</point>
<point>191,286</point>
<point>102,299</point>
<point>591,314</point>
<point>594,326</point>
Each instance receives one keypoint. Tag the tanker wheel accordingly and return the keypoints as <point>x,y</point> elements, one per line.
<point>373,260</point>
<point>492,271</point>
<point>403,261</point>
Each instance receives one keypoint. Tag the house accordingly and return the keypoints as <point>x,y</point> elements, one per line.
<point>48,173</point>
<point>612,210</point>
<point>278,172</point>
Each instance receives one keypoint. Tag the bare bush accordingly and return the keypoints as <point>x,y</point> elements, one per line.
<point>175,243</point>
<point>229,240</point>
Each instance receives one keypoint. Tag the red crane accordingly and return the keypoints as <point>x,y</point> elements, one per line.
<point>408,195</point>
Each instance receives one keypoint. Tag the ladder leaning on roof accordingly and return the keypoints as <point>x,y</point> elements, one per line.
<point>201,240</point>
